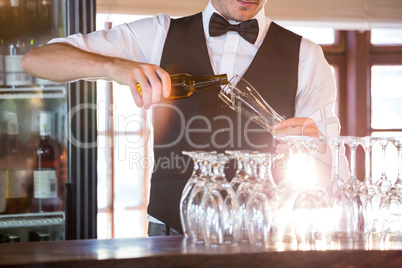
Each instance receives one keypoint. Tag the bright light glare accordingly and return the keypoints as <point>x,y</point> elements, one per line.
<point>301,170</point>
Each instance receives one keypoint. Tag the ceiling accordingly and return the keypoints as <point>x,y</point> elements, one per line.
<point>356,14</point>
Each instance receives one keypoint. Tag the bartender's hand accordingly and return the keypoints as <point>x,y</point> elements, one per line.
<point>295,126</point>
<point>154,81</point>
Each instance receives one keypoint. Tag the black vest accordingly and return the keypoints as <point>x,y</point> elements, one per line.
<point>202,121</point>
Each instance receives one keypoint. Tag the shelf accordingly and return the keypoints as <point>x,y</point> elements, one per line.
<point>48,92</point>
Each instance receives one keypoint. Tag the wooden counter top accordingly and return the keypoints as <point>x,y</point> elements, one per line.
<point>176,251</point>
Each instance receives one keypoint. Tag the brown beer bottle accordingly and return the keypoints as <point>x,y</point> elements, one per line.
<point>46,169</point>
<point>184,85</point>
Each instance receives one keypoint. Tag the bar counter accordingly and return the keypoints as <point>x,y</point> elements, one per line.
<point>177,251</point>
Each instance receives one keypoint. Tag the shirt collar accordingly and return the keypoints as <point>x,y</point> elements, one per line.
<point>263,22</point>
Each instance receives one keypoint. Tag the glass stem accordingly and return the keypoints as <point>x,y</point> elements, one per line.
<point>337,161</point>
<point>353,163</point>
<point>399,177</point>
<point>368,165</point>
<point>384,162</point>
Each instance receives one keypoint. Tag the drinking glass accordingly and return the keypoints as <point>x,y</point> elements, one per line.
<point>263,204</point>
<point>313,219</point>
<point>244,189</point>
<point>368,186</point>
<point>369,192</point>
<point>336,181</point>
<point>391,206</point>
<point>241,96</point>
<point>397,142</point>
<point>198,158</point>
<point>357,197</point>
<point>287,188</point>
<point>220,208</point>
<point>342,204</point>
<point>194,204</point>
<point>391,209</point>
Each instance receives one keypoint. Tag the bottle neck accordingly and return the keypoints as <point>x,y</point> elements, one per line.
<point>202,83</point>
<point>44,137</point>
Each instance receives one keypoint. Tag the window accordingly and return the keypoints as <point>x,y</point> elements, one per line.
<point>122,156</point>
<point>386,96</point>
<point>319,35</point>
<point>386,36</point>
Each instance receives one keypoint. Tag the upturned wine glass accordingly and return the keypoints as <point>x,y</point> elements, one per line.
<point>198,158</point>
<point>287,188</point>
<point>313,219</point>
<point>357,197</point>
<point>391,210</point>
<point>263,205</point>
<point>369,192</point>
<point>342,204</point>
<point>391,205</point>
<point>244,189</point>
<point>194,204</point>
<point>368,187</point>
<point>336,181</point>
<point>220,208</point>
<point>312,216</point>
<point>397,142</point>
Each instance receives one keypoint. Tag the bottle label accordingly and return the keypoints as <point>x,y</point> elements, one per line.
<point>13,64</point>
<point>18,79</point>
<point>2,191</point>
<point>45,183</point>
<point>17,183</point>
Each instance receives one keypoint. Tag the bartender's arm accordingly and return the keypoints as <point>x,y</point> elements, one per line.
<point>65,63</point>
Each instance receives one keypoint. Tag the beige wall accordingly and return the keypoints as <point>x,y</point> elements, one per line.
<point>346,14</point>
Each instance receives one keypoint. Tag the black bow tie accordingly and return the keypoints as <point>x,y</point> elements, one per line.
<point>247,29</point>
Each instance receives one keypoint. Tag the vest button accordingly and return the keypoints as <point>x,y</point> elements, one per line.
<point>223,106</point>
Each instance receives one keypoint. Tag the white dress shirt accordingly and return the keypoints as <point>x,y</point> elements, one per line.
<point>143,41</point>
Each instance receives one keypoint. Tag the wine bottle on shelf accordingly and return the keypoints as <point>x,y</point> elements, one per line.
<point>184,85</point>
<point>17,182</point>
<point>46,169</point>
<point>15,75</point>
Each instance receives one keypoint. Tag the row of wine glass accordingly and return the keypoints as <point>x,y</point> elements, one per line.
<point>253,209</point>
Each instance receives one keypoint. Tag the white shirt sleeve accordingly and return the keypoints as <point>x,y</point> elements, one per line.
<point>316,94</point>
<point>316,98</point>
<point>141,40</point>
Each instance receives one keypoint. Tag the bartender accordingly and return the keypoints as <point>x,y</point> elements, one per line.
<point>229,37</point>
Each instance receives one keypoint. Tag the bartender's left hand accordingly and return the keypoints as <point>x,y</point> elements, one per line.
<point>295,126</point>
